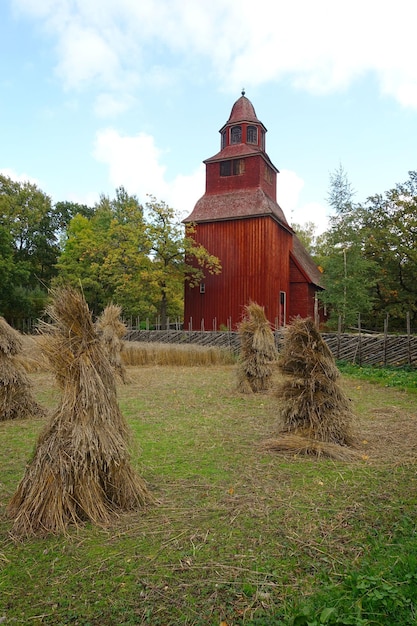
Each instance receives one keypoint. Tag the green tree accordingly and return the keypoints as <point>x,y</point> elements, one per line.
<point>390,219</point>
<point>137,257</point>
<point>176,258</point>
<point>306,233</point>
<point>12,275</point>
<point>349,275</point>
<point>29,221</point>
<point>65,211</point>
<point>107,254</point>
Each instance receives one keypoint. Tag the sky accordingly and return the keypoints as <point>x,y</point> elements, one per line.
<point>95,94</point>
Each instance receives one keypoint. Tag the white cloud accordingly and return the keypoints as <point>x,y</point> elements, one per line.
<point>135,163</point>
<point>20,178</point>
<point>312,212</point>
<point>289,187</point>
<point>320,46</point>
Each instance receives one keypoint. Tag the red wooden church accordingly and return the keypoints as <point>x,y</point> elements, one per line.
<point>239,220</point>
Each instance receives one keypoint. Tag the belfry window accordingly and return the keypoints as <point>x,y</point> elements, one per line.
<point>268,174</point>
<point>232,168</point>
<point>252,134</point>
<point>236,134</point>
<point>223,139</point>
<point>225,168</point>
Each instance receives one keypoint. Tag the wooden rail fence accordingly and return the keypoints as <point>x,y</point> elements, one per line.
<point>360,348</point>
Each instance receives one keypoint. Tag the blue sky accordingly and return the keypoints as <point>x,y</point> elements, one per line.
<point>100,93</point>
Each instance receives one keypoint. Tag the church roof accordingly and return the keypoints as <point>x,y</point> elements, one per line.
<point>243,111</point>
<point>306,263</point>
<point>237,150</point>
<point>238,204</point>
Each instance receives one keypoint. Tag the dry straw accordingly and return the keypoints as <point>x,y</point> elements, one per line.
<point>111,330</point>
<point>16,398</point>
<point>137,353</point>
<point>315,413</point>
<point>81,467</point>
<point>257,351</point>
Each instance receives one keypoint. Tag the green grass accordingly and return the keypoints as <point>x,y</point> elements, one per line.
<point>238,535</point>
<point>398,377</point>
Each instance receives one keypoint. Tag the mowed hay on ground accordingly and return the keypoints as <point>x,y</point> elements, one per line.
<point>315,413</point>
<point>111,330</point>
<point>16,397</point>
<point>81,467</point>
<point>257,351</point>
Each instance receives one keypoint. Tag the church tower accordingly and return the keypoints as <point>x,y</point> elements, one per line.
<point>239,220</point>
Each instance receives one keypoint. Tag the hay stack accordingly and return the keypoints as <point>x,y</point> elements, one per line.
<point>257,351</point>
<point>314,407</point>
<point>16,398</point>
<point>81,466</point>
<point>111,330</point>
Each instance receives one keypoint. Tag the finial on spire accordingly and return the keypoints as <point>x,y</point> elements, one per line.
<point>243,91</point>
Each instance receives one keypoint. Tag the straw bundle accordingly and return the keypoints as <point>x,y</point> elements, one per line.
<point>111,330</point>
<point>313,404</point>
<point>16,398</point>
<point>296,444</point>
<point>81,466</point>
<point>257,351</point>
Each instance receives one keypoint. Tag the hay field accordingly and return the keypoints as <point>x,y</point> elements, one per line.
<point>239,535</point>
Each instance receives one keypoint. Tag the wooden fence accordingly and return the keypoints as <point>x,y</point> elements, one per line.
<point>360,348</point>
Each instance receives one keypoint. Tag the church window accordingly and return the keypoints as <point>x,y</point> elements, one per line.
<point>232,168</point>
<point>225,168</point>
<point>268,174</point>
<point>238,166</point>
<point>236,134</point>
<point>252,134</point>
<point>223,139</point>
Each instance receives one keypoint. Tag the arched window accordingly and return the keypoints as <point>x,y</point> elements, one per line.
<point>252,134</point>
<point>236,134</point>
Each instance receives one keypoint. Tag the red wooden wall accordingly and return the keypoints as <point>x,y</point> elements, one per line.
<point>255,255</point>
<point>256,170</point>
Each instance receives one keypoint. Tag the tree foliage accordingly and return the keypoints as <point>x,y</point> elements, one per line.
<point>348,274</point>
<point>28,247</point>
<point>176,258</point>
<point>391,223</point>
<point>133,255</point>
<point>369,255</point>
<point>306,233</point>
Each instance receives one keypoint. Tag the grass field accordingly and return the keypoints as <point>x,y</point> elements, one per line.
<point>238,535</point>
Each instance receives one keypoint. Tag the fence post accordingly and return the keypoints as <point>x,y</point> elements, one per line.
<point>385,337</point>
<point>339,331</point>
<point>408,338</point>
<point>359,340</point>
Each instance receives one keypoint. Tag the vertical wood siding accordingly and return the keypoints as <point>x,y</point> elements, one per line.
<point>254,253</point>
